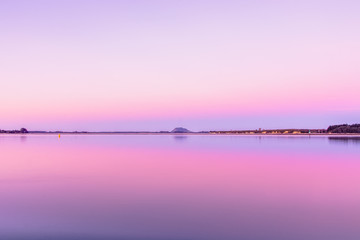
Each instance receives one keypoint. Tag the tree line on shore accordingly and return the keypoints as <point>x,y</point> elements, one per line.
<point>22,130</point>
<point>344,128</point>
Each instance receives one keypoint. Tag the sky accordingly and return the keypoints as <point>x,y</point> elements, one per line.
<point>154,65</point>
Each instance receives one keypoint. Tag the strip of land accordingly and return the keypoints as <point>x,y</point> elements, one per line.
<point>343,129</point>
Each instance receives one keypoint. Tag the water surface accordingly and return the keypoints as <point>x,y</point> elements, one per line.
<point>179,187</point>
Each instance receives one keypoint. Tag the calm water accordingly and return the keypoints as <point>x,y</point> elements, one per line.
<point>179,187</point>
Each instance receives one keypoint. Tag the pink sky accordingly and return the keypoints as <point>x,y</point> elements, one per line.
<point>154,65</point>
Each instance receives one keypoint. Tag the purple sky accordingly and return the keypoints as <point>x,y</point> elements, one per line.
<point>155,65</point>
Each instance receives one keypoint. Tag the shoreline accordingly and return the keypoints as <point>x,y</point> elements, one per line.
<point>184,134</point>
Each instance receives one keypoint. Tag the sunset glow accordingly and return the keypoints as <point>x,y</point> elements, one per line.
<point>153,65</point>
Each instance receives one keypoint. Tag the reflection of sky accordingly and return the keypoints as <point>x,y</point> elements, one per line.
<point>155,187</point>
<point>262,143</point>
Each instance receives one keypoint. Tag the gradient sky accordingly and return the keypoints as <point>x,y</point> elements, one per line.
<point>155,65</point>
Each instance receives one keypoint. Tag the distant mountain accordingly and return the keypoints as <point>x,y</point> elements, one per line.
<point>180,130</point>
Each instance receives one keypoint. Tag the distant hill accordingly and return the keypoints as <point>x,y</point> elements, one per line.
<point>180,130</point>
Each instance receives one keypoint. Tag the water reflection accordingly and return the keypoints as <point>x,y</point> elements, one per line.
<point>344,140</point>
<point>23,138</point>
<point>150,187</point>
<point>180,138</point>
